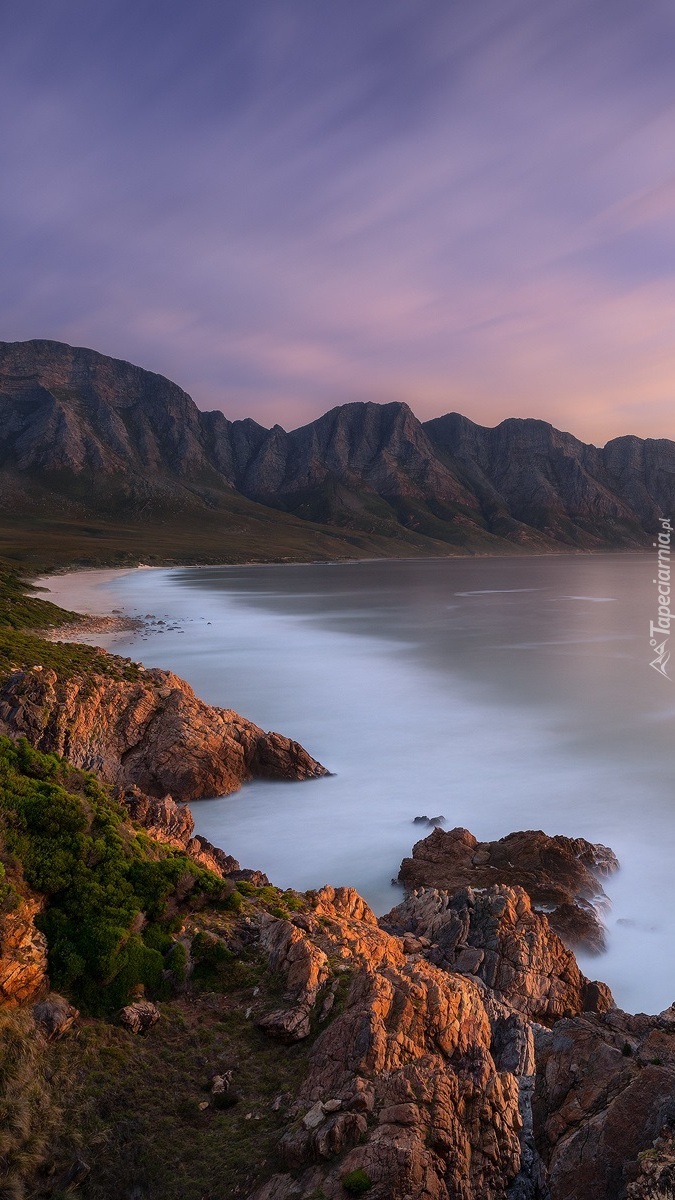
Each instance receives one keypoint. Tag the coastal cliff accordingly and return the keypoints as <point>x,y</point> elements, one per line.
<point>296,1045</point>
<point>150,731</point>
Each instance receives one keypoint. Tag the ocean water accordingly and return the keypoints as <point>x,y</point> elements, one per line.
<point>501,693</point>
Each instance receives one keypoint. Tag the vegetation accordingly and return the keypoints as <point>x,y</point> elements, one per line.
<point>29,1112</point>
<point>124,915</point>
<point>357,1183</point>
<point>139,1109</point>
<point>111,893</point>
<point>21,646</point>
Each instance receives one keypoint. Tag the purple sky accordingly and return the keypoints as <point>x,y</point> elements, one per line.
<point>288,204</point>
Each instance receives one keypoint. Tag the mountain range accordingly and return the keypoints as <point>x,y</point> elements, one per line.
<point>94,449</point>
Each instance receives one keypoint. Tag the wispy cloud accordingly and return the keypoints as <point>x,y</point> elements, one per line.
<point>284,205</point>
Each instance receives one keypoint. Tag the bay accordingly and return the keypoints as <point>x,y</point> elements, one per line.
<point>501,693</point>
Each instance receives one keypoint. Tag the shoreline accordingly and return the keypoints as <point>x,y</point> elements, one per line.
<point>90,589</point>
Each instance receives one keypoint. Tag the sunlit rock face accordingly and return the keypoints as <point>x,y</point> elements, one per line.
<point>151,732</point>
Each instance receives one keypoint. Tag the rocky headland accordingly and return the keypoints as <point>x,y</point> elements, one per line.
<point>149,731</point>
<point>561,875</point>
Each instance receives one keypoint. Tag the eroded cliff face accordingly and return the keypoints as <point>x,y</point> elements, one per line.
<point>23,953</point>
<point>402,1086</point>
<point>151,732</point>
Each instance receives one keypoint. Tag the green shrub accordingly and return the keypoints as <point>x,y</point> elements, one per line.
<point>97,875</point>
<point>356,1183</point>
<point>177,961</point>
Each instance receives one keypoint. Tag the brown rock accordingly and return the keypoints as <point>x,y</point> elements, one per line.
<point>560,874</point>
<point>287,1024</point>
<point>151,732</point>
<point>23,954</point>
<point>605,1090</point>
<point>496,936</point>
<point>140,1016</point>
<point>401,1083</point>
<point>656,1166</point>
<point>173,824</point>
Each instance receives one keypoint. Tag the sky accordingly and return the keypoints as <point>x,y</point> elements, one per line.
<point>283,205</point>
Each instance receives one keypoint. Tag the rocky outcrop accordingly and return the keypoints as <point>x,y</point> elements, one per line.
<point>402,1089</point>
<point>605,1094</point>
<point>151,732</point>
<point>656,1171</point>
<point>23,954</point>
<point>173,824</point>
<point>561,875</point>
<point>495,936</point>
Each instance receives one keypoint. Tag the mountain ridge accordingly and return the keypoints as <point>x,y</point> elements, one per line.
<point>86,435</point>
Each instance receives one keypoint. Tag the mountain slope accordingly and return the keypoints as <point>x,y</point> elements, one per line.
<point>86,438</point>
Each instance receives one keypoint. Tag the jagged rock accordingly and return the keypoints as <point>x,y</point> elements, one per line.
<point>656,1179</point>
<point>605,1090</point>
<point>495,936</point>
<point>287,1024</point>
<point>173,824</point>
<point>558,873</point>
<point>140,1016</point>
<point>162,818</point>
<point>292,952</point>
<point>401,1083</point>
<point>151,732</point>
<point>23,954</point>
<point>54,1015</point>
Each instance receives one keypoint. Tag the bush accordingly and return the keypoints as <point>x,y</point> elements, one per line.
<point>356,1183</point>
<point>97,875</point>
<point>177,961</point>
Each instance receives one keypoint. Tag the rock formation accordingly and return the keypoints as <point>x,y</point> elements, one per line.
<point>23,954</point>
<point>561,875</point>
<point>433,1079</point>
<point>151,732</point>
<point>495,936</point>
<point>402,1089</point>
<point>173,824</point>
<point>605,1093</point>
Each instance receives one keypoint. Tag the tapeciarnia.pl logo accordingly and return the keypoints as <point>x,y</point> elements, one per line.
<point>661,626</point>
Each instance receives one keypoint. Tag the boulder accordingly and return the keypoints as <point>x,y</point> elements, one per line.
<point>54,1015</point>
<point>140,1016</point>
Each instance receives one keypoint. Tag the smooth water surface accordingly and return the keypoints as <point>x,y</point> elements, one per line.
<point>502,693</point>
